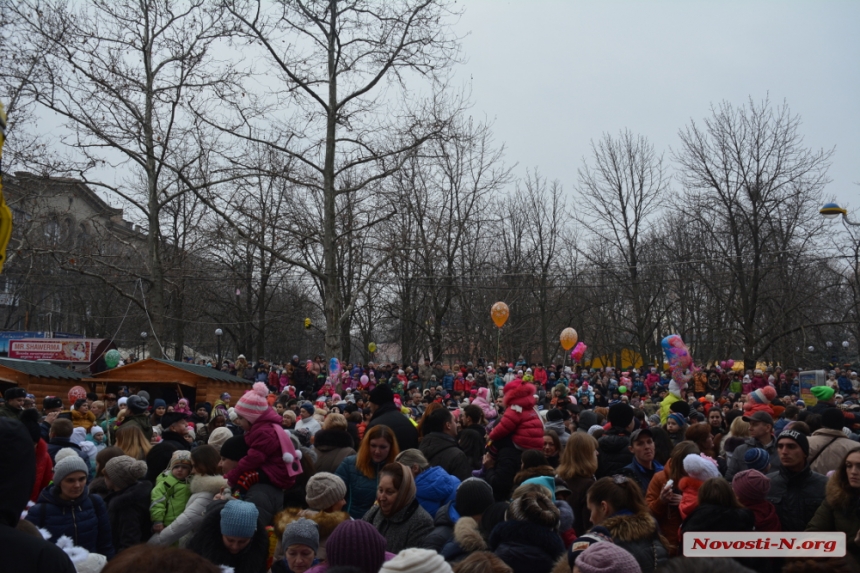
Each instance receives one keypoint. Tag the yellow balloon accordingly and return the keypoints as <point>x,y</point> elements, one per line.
<point>500,313</point>
<point>372,347</point>
<point>568,338</point>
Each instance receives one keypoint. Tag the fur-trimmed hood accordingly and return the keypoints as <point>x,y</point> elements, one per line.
<point>634,527</point>
<point>207,484</point>
<point>838,497</point>
<point>326,521</point>
<point>468,535</point>
<point>519,393</point>
<point>327,440</point>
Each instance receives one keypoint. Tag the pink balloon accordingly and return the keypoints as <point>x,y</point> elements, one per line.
<point>730,363</point>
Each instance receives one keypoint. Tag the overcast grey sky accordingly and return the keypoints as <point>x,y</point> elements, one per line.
<point>554,75</point>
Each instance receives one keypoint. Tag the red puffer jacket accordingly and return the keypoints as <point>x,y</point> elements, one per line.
<point>264,452</point>
<point>520,421</point>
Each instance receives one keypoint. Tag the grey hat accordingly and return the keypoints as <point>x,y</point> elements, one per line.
<point>137,404</point>
<point>69,465</point>
<point>324,490</point>
<point>301,532</point>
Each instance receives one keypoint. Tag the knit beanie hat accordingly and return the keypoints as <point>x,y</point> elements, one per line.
<point>679,419</point>
<point>832,419</point>
<point>180,457</point>
<point>253,404</point>
<point>239,519</point>
<point>301,532</point>
<point>823,393</point>
<point>757,459</point>
<point>620,415</point>
<point>218,437</point>
<point>416,560</point>
<point>751,486</point>
<point>234,448</point>
<point>356,543</point>
<point>763,395</point>
<point>137,404</point>
<point>382,394</point>
<point>474,496</point>
<point>159,403</point>
<point>95,430</point>
<point>535,508</point>
<point>701,467</point>
<point>801,439</point>
<point>65,453</point>
<point>324,490</point>
<point>607,558</point>
<point>124,471</point>
<point>69,465</point>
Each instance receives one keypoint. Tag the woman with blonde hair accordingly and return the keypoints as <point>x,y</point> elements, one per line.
<point>577,467</point>
<point>360,472</point>
<point>132,441</point>
<point>738,432</point>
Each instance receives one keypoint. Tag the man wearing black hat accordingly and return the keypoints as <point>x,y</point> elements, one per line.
<point>795,489</point>
<point>614,445</point>
<point>386,413</point>
<point>52,407</point>
<point>14,403</point>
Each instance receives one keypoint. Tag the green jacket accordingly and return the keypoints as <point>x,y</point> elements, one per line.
<point>169,498</point>
<point>7,412</point>
<point>142,422</point>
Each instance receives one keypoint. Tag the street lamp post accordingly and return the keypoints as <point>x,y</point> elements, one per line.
<point>218,334</point>
<point>833,210</point>
<point>143,336</point>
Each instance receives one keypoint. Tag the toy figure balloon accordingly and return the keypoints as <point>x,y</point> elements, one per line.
<point>578,351</point>
<point>112,358</point>
<point>500,313</point>
<point>333,366</point>
<point>568,338</point>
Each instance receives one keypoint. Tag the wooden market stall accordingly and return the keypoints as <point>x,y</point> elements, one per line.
<point>170,380</point>
<point>39,378</point>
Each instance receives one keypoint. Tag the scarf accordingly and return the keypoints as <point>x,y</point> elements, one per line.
<point>406,492</point>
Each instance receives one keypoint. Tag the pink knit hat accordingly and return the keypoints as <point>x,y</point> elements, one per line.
<point>252,405</point>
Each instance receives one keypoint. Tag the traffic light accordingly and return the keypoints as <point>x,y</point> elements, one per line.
<point>5,212</point>
<point>307,324</point>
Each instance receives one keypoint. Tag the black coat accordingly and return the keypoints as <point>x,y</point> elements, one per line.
<point>526,547</point>
<point>84,520</point>
<point>719,518</point>
<point>472,440</point>
<point>389,415</point>
<point>442,450</point>
<point>614,453</point>
<point>443,530</point>
<point>207,543</point>
<point>796,496</point>
<point>158,458</point>
<point>129,515</point>
<point>57,444</point>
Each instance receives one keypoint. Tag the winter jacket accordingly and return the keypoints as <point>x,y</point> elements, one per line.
<point>614,448</point>
<point>689,495</point>
<point>642,475</point>
<point>207,543</point>
<point>81,420</point>
<point>707,518</point>
<point>391,416</point>
<point>520,420</point>
<point>326,522</point>
<point>129,515</point>
<point>829,448</point>
<point>406,528</point>
<point>736,462</point>
<point>202,490</point>
<point>766,518</point>
<point>85,520</point>
<point>444,521</point>
<point>839,512</point>
<point>332,446</point>
<point>168,498</point>
<point>360,489</point>
<point>435,487</point>
<point>796,496</point>
<point>264,452</point>
<point>442,450</point>
<point>668,516</point>
<point>638,534</point>
<point>526,547</point>
<point>57,444</point>
<point>44,470</point>
<point>466,540</point>
<point>482,401</point>
<point>7,411</point>
<point>142,422</point>
<point>578,501</point>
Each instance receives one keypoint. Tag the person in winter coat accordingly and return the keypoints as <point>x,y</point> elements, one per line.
<point>435,487</point>
<point>761,436</point>
<point>617,504</point>
<point>473,435</point>
<point>232,535</point>
<point>528,541</point>
<point>354,544</point>
<point>577,466</point>
<point>841,508</point>
<point>81,415</point>
<point>699,468</point>
<point>44,466</point>
<point>473,501</point>
<point>663,501</point>
<point>171,492</point>
<point>676,428</point>
<point>332,443</point>
<point>386,413</point>
<point>555,422</point>
<point>271,456</point>
<point>795,489</point>
<point>205,484</point>
<point>360,472</point>
<point>67,508</point>
<point>128,502</point>
<point>614,445</point>
<point>297,549</point>
<point>440,447</point>
<point>829,445</point>
<point>397,515</point>
<point>137,416</point>
<point>325,497</point>
<point>482,401</point>
<point>751,487</point>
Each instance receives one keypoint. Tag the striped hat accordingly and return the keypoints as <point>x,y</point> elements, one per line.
<point>252,405</point>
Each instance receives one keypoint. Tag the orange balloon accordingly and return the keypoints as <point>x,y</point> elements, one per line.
<point>568,338</point>
<point>500,313</point>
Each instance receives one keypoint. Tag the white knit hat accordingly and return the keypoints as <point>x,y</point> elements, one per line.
<point>701,467</point>
<point>416,560</point>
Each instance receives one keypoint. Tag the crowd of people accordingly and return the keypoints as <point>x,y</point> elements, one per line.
<point>424,467</point>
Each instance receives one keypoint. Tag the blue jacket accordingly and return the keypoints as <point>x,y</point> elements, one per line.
<point>435,487</point>
<point>845,385</point>
<point>85,519</point>
<point>448,382</point>
<point>635,470</point>
<point>360,489</point>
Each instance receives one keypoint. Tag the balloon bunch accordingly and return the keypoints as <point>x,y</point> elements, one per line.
<point>679,359</point>
<point>727,364</point>
<point>578,351</point>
